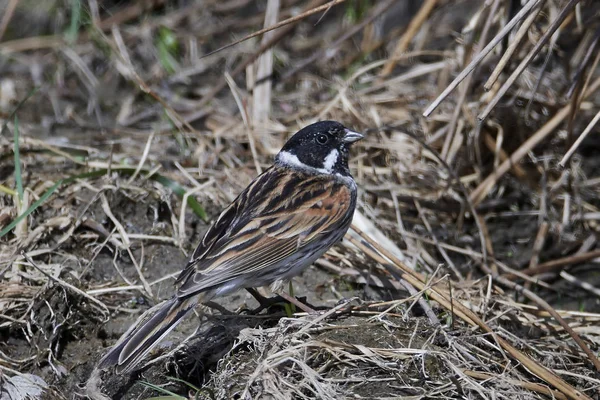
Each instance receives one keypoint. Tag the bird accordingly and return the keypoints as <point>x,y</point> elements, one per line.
<point>282,222</point>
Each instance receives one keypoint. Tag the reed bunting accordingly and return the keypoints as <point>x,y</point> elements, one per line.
<point>280,224</point>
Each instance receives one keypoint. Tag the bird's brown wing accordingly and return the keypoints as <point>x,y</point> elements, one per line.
<point>280,212</point>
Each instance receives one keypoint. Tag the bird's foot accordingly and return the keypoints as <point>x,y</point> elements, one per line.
<point>268,302</point>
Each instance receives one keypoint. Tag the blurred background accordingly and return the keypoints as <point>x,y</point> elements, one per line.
<point>128,125</point>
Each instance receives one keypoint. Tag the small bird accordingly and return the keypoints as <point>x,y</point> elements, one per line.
<point>280,224</point>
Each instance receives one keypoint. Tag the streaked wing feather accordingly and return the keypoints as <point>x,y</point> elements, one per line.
<point>250,236</point>
<point>258,259</point>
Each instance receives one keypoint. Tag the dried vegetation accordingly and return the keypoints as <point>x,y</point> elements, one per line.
<point>470,270</point>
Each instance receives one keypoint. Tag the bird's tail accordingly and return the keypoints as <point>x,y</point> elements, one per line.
<point>146,333</point>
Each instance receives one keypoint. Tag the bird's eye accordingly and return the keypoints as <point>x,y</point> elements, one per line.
<point>322,139</point>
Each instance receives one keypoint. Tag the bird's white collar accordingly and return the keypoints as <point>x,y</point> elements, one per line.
<point>291,160</point>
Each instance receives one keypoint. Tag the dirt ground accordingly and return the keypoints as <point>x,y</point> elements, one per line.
<point>129,143</point>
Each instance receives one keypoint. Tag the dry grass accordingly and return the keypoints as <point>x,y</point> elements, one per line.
<point>473,250</point>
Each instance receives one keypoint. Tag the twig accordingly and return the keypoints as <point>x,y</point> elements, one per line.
<point>496,147</point>
<point>106,208</point>
<point>579,140</point>
<point>98,292</point>
<point>467,315</point>
<point>152,238</point>
<point>128,13</point>
<point>261,97</point>
<point>551,266</point>
<point>65,284</point>
<point>187,194</point>
<point>481,191</point>
<point>142,160</point>
<point>328,52</point>
<point>121,51</point>
<point>529,363</point>
<point>525,62</point>
<point>538,81</point>
<point>538,244</point>
<point>466,85</point>
<point>469,68</point>
<point>138,268</point>
<point>536,387</point>
<point>285,22</point>
<point>413,27</point>
<point>542,303</point>
<point>250,59</point>
<point>435,240</point>
<point>584,285</point>
<point>461,188</point>
<point>433,319</point>
<point>584,63</point>
<point>514,43</point>
<point>8,13</point>
<point>235,91</point>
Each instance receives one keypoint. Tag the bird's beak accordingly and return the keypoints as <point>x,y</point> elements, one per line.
<point>351,137</point>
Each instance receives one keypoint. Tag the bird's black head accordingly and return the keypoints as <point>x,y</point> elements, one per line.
<point>322,147</point>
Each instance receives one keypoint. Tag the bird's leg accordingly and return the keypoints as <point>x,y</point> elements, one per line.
<point>266,302</point>
<point>218,307</point>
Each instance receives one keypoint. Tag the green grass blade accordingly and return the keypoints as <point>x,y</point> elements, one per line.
<point>73,30</point>
<point>163,180</point>
<point>18,179</point>
<point>172,378</point>
<point>167,46</point>
<point>180,191</point>
<point>8,191</point>
<point>291,291</point>
<point>288,310</point>
<point>163,391</point>
<point>31,209</point>
<point>12,114</point>
<point>166,398</point>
